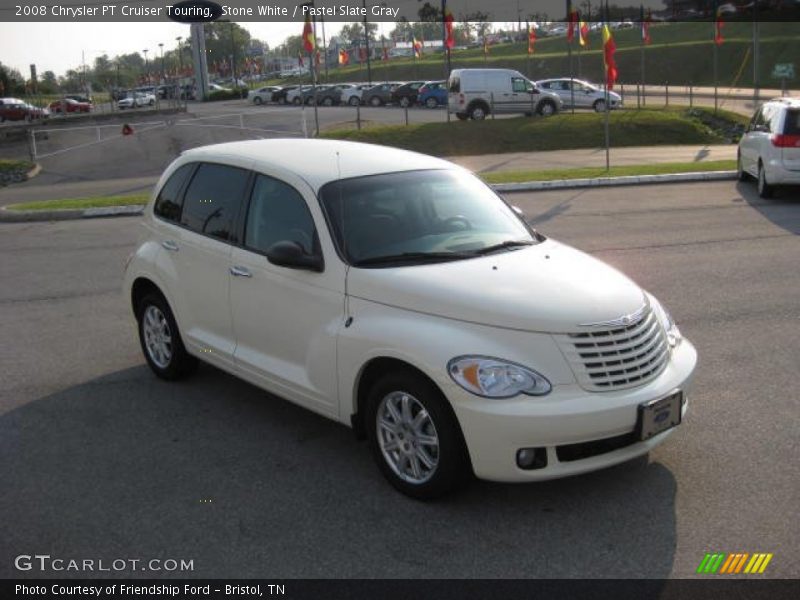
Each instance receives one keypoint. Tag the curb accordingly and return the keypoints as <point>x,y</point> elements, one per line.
<point>15,216</point>
<point>20,216</point>
<point>561,184</point>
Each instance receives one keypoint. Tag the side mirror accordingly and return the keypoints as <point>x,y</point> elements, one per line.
<point>291,255</point>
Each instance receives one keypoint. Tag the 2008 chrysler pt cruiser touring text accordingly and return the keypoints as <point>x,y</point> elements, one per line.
<point>399,294</point>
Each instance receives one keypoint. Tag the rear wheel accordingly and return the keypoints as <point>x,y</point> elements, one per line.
<point>404,101</point>
<point>414,436</point>
<point>354,101</point>
<point>327,101</point>
<point>600,106</point>
<point>375,101</point>
<point>257,100</point>
<point>765,190</point>
<point>478,112</point>
<point>431,102</point>
<point>160,339</point>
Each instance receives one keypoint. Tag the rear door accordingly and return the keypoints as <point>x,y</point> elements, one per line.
<point>750,145</point>
<point>201,252</point>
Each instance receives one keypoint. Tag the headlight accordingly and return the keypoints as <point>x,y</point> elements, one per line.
<point>673,333</point>
<point>495,378</point>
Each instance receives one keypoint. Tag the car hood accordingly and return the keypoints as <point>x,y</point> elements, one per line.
<point>548,287</point>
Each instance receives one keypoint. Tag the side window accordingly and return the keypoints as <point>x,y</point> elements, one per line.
<point>518,84</point>
<point>766,117</point>
<point>278,213</point>
<point>455,85</point>
<point>757,120</point>
<point>791,125</point>
<point>213,199</point>
<point>168,203</point>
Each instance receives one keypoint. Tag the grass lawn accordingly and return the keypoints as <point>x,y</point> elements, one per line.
<point>90,202</point>
<point>561,132</point>
<point>622,171</point>
<point>15,165</point>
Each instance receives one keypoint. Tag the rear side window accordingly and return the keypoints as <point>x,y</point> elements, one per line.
<point>791,125</point>
<point>278,213</point>
<point>213,199</point>
<point>168,203</point>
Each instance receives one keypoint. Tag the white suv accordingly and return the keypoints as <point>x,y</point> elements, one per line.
<point>770,147</point>
<point>397,293</point>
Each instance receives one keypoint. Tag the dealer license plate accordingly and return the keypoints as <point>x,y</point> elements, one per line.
<point>659,415</point>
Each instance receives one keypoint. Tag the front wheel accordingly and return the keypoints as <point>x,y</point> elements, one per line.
<point>478,112</point>
<point>161,341</point>
<point>297,101</point>
<point>404,102</point>
<point>431,102</point>
<point>375,101</point>
<point>354,101</point>
<point>600,106</point>
<point>327,101</point>
<point>414,436</point>
<point>257,100</point>
<point>547,108</point>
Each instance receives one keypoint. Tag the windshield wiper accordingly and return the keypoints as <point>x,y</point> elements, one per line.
<point>412,257</point>
<point>502,246</point>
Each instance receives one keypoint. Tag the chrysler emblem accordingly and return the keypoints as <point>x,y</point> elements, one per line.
<point>624,320</point>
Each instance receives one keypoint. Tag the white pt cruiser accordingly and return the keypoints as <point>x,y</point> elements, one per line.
<point>397,293</point>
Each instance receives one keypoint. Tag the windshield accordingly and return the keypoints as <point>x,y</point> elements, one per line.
<point>419,216</point>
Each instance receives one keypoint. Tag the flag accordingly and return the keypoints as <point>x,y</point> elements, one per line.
<point>417,45</point>
<point>449,39</point>
<point>718,25</point>
<point>344,57</point>
<point>609,48</point>
<point>583,34</point>
<point>308,35</point>
<point>531,38</point>
<point>300,60</point>
<point>645,24</point>
<point>572,16</point>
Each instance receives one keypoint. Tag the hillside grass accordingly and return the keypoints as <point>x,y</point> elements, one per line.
<point>646,127</point>
<point>87,202</point>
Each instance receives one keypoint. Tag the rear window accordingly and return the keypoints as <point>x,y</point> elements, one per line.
<point>168,203</point>
<point>455,84</point>
<point>791,125</point>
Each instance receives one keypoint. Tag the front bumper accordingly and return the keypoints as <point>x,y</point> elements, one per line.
<point>495,430</point>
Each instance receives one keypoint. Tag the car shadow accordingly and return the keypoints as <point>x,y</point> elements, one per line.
<point>783,209</point>
<point>244,484</point>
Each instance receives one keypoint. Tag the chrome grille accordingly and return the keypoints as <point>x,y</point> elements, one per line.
<point>612,358</point>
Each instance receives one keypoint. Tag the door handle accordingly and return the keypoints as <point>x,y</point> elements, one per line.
<point>240,272</point>
<point>170,245</point>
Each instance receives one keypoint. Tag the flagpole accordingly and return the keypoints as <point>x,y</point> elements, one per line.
<point>714,42</point>
<point>313,68</point>
<point>366,41</point>
<point>641,49</point>
<point>325,49</point>
<point>570,26</point>
<point>446,48</point>
<point>605,74</point>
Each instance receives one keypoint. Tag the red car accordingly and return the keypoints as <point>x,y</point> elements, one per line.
<point>68,105</point>
<point>13,109</point>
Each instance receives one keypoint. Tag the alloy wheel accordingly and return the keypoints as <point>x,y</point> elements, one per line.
<point>157,336</point>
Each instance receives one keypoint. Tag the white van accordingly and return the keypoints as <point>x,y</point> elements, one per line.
<point>475,93</point>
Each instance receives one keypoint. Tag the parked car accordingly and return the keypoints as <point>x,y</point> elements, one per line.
<point>769,150</point>
<point>262,95</point>
<point>587,95</point>
<point>433,94</point>
<point>80,98</point>
<point>135,100</point>
<point>401,296</point>
<point>378,95</point>
<point>279,95</point>
<point>353,97</point>
<point>326,95</point>
<point>68,105</point>
<point>475,93</point>
<point>406,94</point>
<point>298,94</point>
<point>14,109</point>
<point>214,87</point>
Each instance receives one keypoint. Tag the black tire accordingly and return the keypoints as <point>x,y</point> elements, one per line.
<point>257,100</point>
<point>375,101</point>
<point>478,111</point>
<point>431,102</point>
<point>452,467</point>
<point>354,101</point>
<point>546,108</point>
<point>765,190</point>
<point>327,101</point>
<point>297,101</point>
<point>181,363</point>
<point>152,102</point>
<point>600,106</point>
<point>462,116</point>
<point>404,101</point>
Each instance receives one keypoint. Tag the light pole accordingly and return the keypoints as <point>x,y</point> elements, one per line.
<point>161,47</point>
<point>146,68</point>
<point>180,54</point>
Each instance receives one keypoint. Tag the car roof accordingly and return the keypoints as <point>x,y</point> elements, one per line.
<point>786,101</point>
<point>315,160</point>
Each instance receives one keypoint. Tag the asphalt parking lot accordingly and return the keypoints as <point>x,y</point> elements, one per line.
<point>102,460</point>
